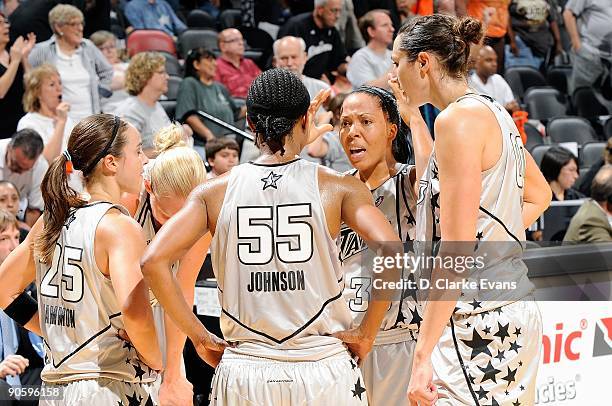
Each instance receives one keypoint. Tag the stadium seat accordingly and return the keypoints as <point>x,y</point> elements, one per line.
<point>258,40</point>
<point>538,153</point>
<point>591,153</point>
<point>173,85</point>
<point>570,129</point>
<point>173,67</point>
<point>607,129</point>
<point>150,40</point>
<point>533,137</point>
<point>195,38</point>
<point>200,19</point>
<point>586,104</point>
<point>558,76</point>
<point>230,18</point>
<point>170,108</point>
<point>582,172</point>
<point>521,78</point>
<point>544,103</point>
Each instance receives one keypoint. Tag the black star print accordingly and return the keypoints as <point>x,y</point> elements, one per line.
<point>507,393</point>
<point>478,345</point>
<point>120,403</point>
<point>502,331</point>
<point>471,378</point>
<point>270,180</point>
<point>400,318</point>
<point>493,402</point>
<point>468,325</point>
<point>500,355</point>
<point>517,403</point>
<point>416,318</point>
<point>487,330</point>
<point>138,371</point>
<point>358,389</point>
<point>434,201</point>
<point>434,170</point>
<point>70,219</point>
<point>514,347</point>
<point>489,373</point>
<point>510,376</point>
<point>475,304</point>
<point>520,363</point>
<point>353,364</point>
<point>517,331</point>
<point>482,394</point>
<point>149,402</point>
<point>522,387</point>
<point>128,345</point>
<point>498,310</point>
<point>410,219</point>
<point>133,400</point>
<point>479,235</point>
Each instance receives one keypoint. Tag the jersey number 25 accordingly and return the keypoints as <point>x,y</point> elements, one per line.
<point>66,264</point>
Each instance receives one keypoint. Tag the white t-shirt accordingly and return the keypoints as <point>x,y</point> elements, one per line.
<point>45,126</point>
<point>314,86</point>
<point>75,83</point>
<point>367,65</point>
<point>496,87</point>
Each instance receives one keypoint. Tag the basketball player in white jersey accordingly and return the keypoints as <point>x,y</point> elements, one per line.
<point>478,185</point>
<point>374,138</point>
<point>168,180</point>
<point>84,253</point>
<point>280,285</point>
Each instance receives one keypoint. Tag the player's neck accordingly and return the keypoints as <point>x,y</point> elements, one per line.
<point>375,176</point>
<point>447,91</point>
<point>104,191</point>
<point>269,157</point>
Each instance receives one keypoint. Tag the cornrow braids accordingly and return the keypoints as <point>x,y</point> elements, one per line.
<point>277,99</point>
<point>401,148</point>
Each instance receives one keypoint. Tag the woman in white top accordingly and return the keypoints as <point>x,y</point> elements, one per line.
<point>107,44</point>
<point>47,113</point>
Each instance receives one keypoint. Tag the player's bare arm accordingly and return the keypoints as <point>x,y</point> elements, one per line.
<point>536,194</point>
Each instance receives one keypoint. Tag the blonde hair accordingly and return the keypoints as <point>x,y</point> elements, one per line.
<point>178,169</point>
<point>142,67</point>
<point>7,219</point>
<point>101,37</point>
<point>33,83</point>
<point>62,14</point>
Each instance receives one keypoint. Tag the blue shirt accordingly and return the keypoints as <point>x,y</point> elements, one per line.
<point>157,16</point>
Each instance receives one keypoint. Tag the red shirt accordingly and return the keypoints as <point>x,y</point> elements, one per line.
<point>237,80</point>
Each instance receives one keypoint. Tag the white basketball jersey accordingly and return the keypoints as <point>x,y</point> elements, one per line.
<point>397,200</point>
<point>499,223</point>
<point>79,313</point>
<point>280,282</point>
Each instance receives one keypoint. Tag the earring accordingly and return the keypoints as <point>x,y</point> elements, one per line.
<point>61,34</point>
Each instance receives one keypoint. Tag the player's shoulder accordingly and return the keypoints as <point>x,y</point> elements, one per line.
<point>115,224</point>
<point>468,116</point>
<point>342,182</point>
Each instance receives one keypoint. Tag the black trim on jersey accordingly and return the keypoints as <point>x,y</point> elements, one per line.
<point>397,208</point>
<point>465,374</point>
<point>341,279</point>
<point>95,203</point>
<point>296,332</point>
<point>90,339</point>
<point>273,165</point>
<point>406,202</point>
<point>145,208</point>
<point>502,224</point>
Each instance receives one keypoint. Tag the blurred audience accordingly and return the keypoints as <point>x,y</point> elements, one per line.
<point>372,63</point>
<point>234,71</point>
<point>606,159</point>
<point>222,155</point>
<point>560,168</point>
<point>593,221</point>
<point>485,81</point>
<point>154,15</point>
<point>9,201</point>
<point>348,29</point>
<point>47,113</point>
<point>82,67</point>
<point>107,44</point>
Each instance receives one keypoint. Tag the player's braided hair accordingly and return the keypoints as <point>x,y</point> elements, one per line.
<point>401,148</point>
<point>277,99</point>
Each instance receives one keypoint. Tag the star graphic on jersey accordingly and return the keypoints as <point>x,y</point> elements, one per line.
<point>138,371</point>
<point>353,364</point>
<point>475,304</point>
<point>120,403</point>
<point>487,330</point>
<point>493,402</point>
<point>434,170</point>
<point>517,331</point>
<point>400,318</point>
<point>358,389</point>
<point>500,355</point>
<point>133,400</point>
<point>149,402</point>
<point>498,310</point>
<point>520,363</point>
<point>434,201</point>
<point>70,219</point>
<point>482,394</point>
<point>471,378</point>
<point>128,345</point>
<point>270,180</point>
<point>410,219</point>
<point>502,331</point>
<point>514,347</point>
<point>522,387</point>
<point>510,376</point>
<point>478,345</point>
<point>468,325</point>
<point>506,392</point>
<point>489,373</point>
<point>416,317</point>
<point>517,403</point>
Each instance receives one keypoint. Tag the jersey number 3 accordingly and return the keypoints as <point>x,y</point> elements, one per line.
<point>257,238</point>
<point>67,264</point>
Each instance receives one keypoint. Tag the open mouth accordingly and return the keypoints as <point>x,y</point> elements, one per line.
<point>357,153</point>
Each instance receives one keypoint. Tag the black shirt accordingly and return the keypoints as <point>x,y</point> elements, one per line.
<point>324,46</point>
<point>11,107</point>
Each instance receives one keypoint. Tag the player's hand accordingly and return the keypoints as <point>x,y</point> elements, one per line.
<point>13,365</point>
<point>421,390</point>
<point>357,342</point>
<point>176,392</point>
<point>407,110</point>
<point>210,348</point>
<point>314,130</point>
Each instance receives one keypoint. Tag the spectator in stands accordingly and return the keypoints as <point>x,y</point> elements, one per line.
<point>533,31</point>
<point>591,41</point>
<point>222,155</point>
<point>107,44</point>
<point>494,15</point>
<point>154,15</point>
<point>47,113</point>
<point>408,9</point>
<point>327,149</point>
<point>13,64</point>
<point>290,53</point>
<point>484,79</point>
<point>348,29</point>
<point>234,71</point>
<point>9,201</point>
<point>324,46</point>
<point>593,221</point>
<point>22,163</point>
<point>199,91</point>
<point>560,168</point>
<point>372,63</point>
<point>82,67</point>
<point>146,80</point>
<point>606,159</point>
